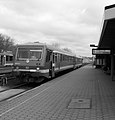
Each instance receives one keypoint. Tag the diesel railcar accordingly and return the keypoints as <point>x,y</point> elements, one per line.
<point>34,61</point>
<point>6,66</point>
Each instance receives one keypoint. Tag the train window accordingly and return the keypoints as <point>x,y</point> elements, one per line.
<point>0,60</point>
<point>35,55</point>
<point>29,53</point>
<point>23,53</point>
<point>70,58</point>
<point>67,58</point>
<point>64,57</point>
<point>9,58</point>
<point>61,58</point>
<point>48,56</point>
<point>56,58</point>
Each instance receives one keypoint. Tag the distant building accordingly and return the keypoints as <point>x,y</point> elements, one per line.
<point>87,59</point>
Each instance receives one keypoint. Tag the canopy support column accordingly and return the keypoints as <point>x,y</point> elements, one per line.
<point>112,65</point>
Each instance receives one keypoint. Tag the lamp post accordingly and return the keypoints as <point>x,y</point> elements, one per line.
<point>93,45</point>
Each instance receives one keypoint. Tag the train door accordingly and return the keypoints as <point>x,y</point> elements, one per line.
<point>74,62</point>
<point>52,65</point>
<point>9,60</point>
<point>58,61</point>
<point>2,60</point>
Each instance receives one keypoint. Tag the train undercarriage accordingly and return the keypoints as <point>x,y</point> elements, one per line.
<point>28,77</point>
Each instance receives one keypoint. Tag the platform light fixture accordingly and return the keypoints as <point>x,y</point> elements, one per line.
<point>93,45</point>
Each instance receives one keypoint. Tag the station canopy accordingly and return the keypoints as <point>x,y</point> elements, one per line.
<point>107,37</point>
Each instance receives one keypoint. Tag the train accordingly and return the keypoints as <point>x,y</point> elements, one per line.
<point>35,61</point>
<point>6,66</point>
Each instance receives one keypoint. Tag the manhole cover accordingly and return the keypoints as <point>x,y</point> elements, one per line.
<point>80,103</point>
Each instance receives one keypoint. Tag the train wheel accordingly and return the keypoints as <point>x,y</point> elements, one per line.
<point>3,81</point>
<point>6,81</point>
<point>41,79</point>
<point>20,79</point>
<point>52,74</point>
<point>27,79</point>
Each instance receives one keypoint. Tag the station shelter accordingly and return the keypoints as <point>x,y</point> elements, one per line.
<point>105,51</point>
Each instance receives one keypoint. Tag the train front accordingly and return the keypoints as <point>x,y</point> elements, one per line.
<point>28,62</point>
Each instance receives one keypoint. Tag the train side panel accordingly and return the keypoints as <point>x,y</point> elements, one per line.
<point>6,67</point>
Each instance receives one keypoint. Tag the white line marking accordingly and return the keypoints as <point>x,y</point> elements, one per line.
<point>30,98</point>
<point>24,93</point>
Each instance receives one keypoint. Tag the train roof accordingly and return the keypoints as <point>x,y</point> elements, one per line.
<point>9,53</point>
<point>55,50</point>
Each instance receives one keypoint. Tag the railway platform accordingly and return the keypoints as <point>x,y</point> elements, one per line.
<point>83,94</point>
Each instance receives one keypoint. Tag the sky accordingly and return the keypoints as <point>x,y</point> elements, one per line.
<point>73,24</point>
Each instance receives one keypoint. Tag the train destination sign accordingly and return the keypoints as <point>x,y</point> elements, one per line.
<point>100,52</point>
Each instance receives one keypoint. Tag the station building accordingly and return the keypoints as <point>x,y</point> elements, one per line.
<point>105,51</point>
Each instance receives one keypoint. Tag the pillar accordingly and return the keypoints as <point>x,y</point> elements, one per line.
<point>112,65</point>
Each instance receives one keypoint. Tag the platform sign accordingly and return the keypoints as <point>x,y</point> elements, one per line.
<point>101,52</point>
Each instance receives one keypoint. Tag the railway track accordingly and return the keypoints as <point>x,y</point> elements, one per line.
<point>5,88</point>
<point>14,91</point>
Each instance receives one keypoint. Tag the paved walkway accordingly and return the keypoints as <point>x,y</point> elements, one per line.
<point>53,103</point>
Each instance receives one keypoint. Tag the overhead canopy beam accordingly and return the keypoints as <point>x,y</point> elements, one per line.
<point>107,37</point>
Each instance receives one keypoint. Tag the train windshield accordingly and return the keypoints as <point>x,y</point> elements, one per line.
<point>29,53</point>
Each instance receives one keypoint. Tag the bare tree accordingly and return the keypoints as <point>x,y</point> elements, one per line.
<point>6,43</point>
<point>67,49</point>
<point>56,45</point>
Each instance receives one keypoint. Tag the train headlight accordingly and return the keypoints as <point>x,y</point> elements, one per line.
<point>53,64</point>
<point>27,61</point>
<point>37,68</point>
